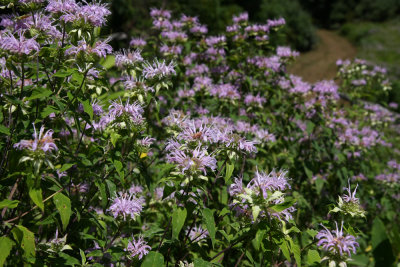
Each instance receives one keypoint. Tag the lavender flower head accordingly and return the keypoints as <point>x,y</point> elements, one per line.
<point>125,205</point>
<point>127,58</point>
<point>197,234</point>
<point>158,69</point>
<point>138,248</point>
<point>195,160</point>
<point>351,197</point>
<point>44,142</point>
<point>62,6</point>
<point>100,48</point>
<point>94,14</point>
<point>133,111</point>
<point>137,42</point>
<point>21,45</point>
<point>337,243</point>
<point>274,181</point>
<point>349,204</point>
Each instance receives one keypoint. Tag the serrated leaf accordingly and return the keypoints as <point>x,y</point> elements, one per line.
<point>312,232</point>
<point>295,249</point>
<point>313,257</point>
<point>118,167</point>
<point>4,130</point>
<point>178,220</point>
<point>229,171</point>
<point>114,138</point>
<point>201,263</point>
<point>63,205</point>
<point>48,110</point>
<point>39,93</point>
<point>153,259</point>
<point>103,194</point>
<point>62,73</point>
<point>35,192</point>
<point>378,233</point>
<point>108,62</point>
<point>6,245</point>
<point>8,203</point>
<point>208,218</point>
<point>111,188</point>
<point>284,205</point>
<point>285,250</point>
<point>310,127</point>
<point>66,166</point>
<point>258,239</point>
<point>255,210</point>
<point>26,240</point>
<point>87,107</point>
<point>308,172</point>
<point>71,261</point>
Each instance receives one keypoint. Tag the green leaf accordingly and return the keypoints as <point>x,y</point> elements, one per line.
<point>118,167</point>
<point>6,245</point>
<point>312,232</point>
<point>208,218</point>
<point>39,93</point>
<point>62,73</point>
<point>26,240</point>
<point>66,166</point>
<point>284,205</point>
<point>285,250</point>
<point>35,192</point>
<point>8,203</point>
<point>313,257</point>
<point>83,257</point>
<point>4,130</point>
<point>153,259</point>
<point>178,219</point>
<point>111,188</point>
<point>103,194</point>
<point>295,249</point>
<point>258,239</point>
<point>255,210</point>
<point>378,233</point>
<point>319,183</point>
<point>310,127</point>
<point>71,261</point>
<point>201,263</point>
<point>308,172</point>
<point>114,138</point>
<point>108,62</point>
<point>229,171</point>
<point>48,110</point>
<point>63,205</point>
<point>87,107</point>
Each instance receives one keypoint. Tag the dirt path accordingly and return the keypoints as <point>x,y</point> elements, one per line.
<point>320,63</point>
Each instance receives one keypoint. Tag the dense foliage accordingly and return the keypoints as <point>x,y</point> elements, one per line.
<point>187,149</point>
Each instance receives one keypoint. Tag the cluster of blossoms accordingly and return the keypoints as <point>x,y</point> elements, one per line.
<point>137,248</point>
<point>125,205</point>
<point>43,141</point>
<point>391,176</point>
<point>197,234</point>
<point>261,195</point>
<point>363,78</point>
<point>337,244</point>
<point>349,204</point>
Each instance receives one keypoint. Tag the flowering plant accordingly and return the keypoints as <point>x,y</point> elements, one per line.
<point>140,147</point>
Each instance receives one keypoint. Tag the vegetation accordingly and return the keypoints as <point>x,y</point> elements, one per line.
<point>188,149</point>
